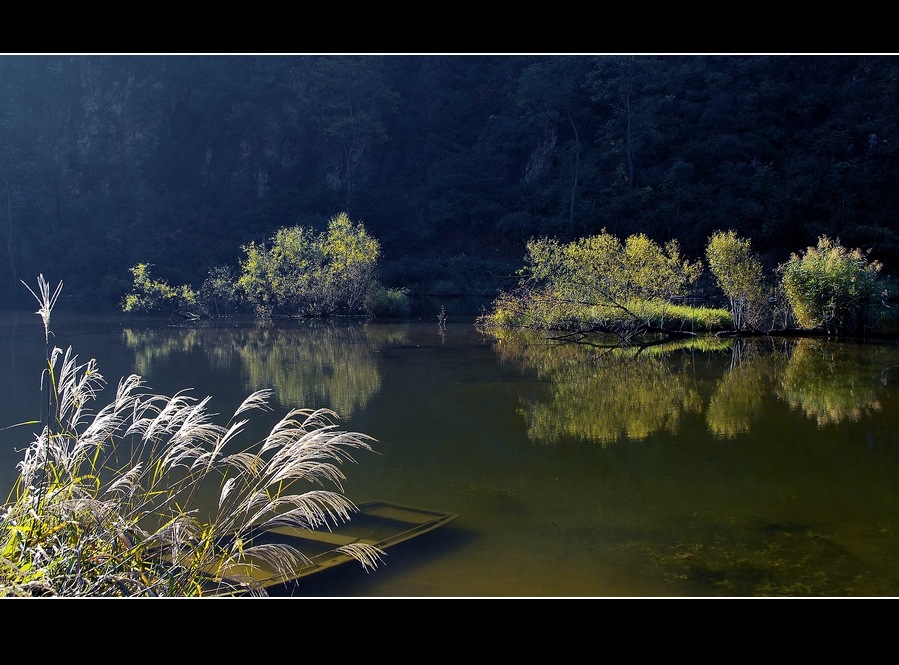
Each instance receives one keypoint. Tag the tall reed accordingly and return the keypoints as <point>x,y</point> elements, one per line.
<point>107,501</point>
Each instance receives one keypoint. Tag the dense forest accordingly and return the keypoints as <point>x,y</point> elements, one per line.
<point>452,162</point>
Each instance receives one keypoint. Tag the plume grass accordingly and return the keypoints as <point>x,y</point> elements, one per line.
<point>107,501</point>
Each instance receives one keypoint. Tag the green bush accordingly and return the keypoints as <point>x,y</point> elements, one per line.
<point>739,274</point>
<point>301,273</point>
<point>296,273</point>
<point>832,288</point>
<point>152,295</point>
<point>599,284</point>
<point>388,302</point>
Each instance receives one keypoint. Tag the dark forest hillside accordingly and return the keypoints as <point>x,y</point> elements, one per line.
<point>452,162</point>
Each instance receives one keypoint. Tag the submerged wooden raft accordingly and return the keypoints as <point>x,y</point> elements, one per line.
<point>377,523</point>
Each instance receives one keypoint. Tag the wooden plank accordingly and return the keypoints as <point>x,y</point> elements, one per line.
<point>379,523</point>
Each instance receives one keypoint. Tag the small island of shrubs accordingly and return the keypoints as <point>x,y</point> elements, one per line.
<point>641,292</point>
<point>297,273</point>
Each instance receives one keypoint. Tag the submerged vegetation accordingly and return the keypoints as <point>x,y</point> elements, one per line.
<point>110,502</point>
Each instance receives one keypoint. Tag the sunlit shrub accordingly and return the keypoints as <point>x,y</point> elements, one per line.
<point>740,276</point>
<point>832,288</point>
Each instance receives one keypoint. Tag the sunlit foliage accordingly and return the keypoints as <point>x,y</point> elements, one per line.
<point>155,295</point>
<point>301,273</point>
<point>297,273</point>
<point>740,276</point>
<point>602,284</point>
<point>601,270</point>
<point>286,275</point>
<point>833,288</point>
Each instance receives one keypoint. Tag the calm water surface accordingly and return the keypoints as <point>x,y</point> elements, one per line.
<point>717,469</point>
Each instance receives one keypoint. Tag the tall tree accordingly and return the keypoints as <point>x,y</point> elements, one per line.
<point>352,100</point>
<point>551,95</point>
<point>740,276</point>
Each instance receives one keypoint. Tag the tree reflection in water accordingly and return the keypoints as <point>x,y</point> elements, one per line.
<point>662,504</point>
<point>606,394</point>
<point>826,382</point>
<point>312,362</point>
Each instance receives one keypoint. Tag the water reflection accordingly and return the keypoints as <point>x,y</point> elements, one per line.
<point>827,382</point>
<point>309,363</point>
<point>607,394</point>
<point>738,397</point>
<point>715,467</point>
<point>600,394</point>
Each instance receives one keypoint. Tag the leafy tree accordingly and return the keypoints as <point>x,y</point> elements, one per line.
<point>739,274</point>
<point>219,295</point>
<point>152,295</point>
<point>352,104</point>
<point>301,273</point>
<point>351,262</point>
<point>296,273</point>
<point>600,284</point>
<point>282,276</point>
<point>658,272</point>
<point>832,288</point>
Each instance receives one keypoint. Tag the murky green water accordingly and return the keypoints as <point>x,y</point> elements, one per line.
<point>718,469</point>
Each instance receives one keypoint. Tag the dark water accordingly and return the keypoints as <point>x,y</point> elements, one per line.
<point>716,469</point>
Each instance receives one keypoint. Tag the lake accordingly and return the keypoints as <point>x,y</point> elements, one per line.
<point>715,468</point>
